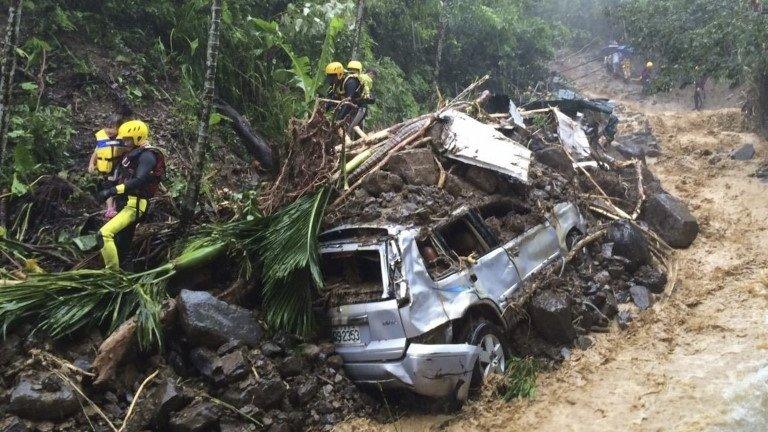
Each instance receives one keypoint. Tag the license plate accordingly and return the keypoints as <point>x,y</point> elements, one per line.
<point>347,335</point>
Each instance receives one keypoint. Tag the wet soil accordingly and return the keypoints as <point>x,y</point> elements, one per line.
<point>698,359</point>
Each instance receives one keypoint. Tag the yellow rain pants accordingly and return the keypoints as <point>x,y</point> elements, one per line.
<point>125,218</point>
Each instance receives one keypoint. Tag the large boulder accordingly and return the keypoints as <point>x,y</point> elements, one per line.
<point>745,152</point>
<point>551,316</point>
<point>381,182</point>
<point>415,167</point>
<point>210,322</point>
<point>671,219</point>
<point>46,399</point>
<point>629,242</point>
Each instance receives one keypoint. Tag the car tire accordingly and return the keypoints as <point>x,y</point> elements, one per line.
<point>494,351</point>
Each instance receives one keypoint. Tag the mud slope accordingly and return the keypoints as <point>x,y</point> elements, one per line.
<point>698,361</point>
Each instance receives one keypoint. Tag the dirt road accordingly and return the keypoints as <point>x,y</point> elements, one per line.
<point>698,361</point>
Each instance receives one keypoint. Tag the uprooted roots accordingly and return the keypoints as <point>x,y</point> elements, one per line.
<point>308,163</point>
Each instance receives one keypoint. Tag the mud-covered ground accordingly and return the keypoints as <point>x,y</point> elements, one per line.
<point>698,360</point>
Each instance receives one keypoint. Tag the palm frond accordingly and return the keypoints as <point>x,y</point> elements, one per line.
<point>290,260</point>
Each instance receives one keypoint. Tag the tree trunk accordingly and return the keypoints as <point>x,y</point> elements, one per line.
<point>358,30</point>
<point>255,143</point>
<point>6,75</point>
<point>442,27</point>
<point>201,146</point>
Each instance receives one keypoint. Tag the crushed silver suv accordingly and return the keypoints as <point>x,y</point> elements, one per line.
<point>428,308</point>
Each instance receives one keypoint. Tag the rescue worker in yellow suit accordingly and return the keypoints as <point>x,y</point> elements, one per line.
<point>138,179</point>
<point>358,87</point>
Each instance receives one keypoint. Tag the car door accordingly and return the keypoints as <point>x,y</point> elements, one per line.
<point>488,268</point>
<point>533,249</point>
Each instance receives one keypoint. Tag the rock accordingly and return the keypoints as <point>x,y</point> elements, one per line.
<point>270,349</point>
<point>631,151</point>
<point>555,158</point>
<point>234,367</point>
<point>382,182</point>
<point>483,179</point>
<point>198,417</point>
<point>584,342</point>
<point>234,425</point>
<point>206,362</point>
<point>269,393</point>
<point>10,347</point>
<point>291,366</point>
<point>415,167</point>
<point>762,172</point>
<point>280,427</point>
<point>169,398</point>
<point>335,361</point>
<point>210,322</point>
<point>623,296</point>
<point>629,242</point>
<point>624,318</point>
<point>602,277</point>
<point>670,218</point>
<point>219,370</point>
<point>310,351</point>
<point>48,399</point>
<point>13,424</point>
<point>652,278</point>
<point>300,396</point>
<point>551,316</point>
<point>745,152</point>
<point>641,297</point>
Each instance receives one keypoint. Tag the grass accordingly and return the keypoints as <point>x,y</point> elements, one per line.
<point>520,379</point>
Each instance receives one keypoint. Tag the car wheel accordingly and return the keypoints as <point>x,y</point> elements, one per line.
<point>494,351</point>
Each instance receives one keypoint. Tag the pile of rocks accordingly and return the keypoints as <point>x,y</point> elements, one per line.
<point>219,373</point>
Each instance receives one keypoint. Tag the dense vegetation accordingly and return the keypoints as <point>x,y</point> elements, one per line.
<point>721,38</point>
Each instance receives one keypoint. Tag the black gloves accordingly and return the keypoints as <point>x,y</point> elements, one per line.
<point>105,194</point>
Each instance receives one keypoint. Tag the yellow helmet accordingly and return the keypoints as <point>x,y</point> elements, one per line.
<point>136,129</point>
<point>649,65</point>
<point>334,68</point>
<point>355,66</point>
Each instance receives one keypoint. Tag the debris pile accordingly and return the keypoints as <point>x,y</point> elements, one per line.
<point>220,371</point>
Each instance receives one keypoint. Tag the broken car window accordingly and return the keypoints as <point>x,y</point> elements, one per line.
<point>462,239</point>
<point>438,265</point>
<point>353,277</point>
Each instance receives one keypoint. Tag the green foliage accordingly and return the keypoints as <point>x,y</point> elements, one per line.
<point>520,379</point>
<point>290,257</point>
<point>41,138</point>
<point>724,39</point>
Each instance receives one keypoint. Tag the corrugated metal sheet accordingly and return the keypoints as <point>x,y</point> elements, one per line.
<point>470,141</point>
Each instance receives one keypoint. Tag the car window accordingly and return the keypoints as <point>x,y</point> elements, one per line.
<point>507,219</point>
<point>437,262</point>
<point>461,238</point>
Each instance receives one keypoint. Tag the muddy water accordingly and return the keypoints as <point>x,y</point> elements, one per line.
<point>698,360</point>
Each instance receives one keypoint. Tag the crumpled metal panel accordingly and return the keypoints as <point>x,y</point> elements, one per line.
<point>425,310</point>
<point>574,139</point>
<point>470,141</point>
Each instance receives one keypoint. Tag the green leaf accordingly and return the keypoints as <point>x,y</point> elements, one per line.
<point>86,242</point>
<point>267,26</point>
<point>193,46</point>
<point>18,188</point>
<point>29,86</point>
<point>214,119</point>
